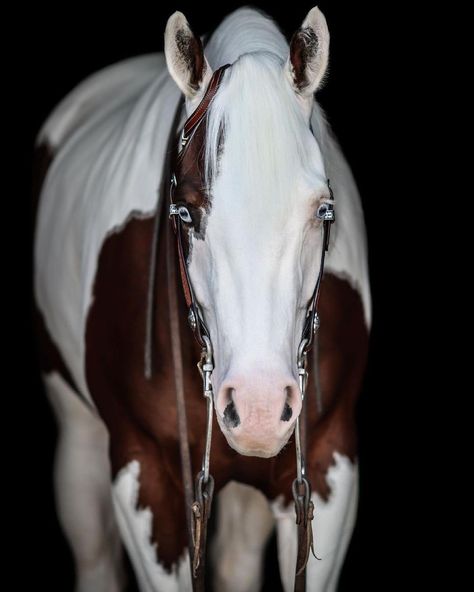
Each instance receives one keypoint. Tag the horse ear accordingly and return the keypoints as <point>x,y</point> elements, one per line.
<point>309,53</point>
<point>185,57</point>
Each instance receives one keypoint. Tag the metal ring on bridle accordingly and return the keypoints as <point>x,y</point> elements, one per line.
<point>301,353</point>
<point>207,367</point>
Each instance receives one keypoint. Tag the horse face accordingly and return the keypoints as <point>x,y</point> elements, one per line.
<point>253,180</point>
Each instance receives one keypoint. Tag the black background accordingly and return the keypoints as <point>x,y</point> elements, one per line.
<point>368,99</point>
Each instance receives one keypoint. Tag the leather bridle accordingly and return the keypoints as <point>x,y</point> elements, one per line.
<point>195,319</point>
<point>199,498</point>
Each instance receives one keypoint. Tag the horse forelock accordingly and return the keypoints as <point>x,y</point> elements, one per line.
<point>257,135</point>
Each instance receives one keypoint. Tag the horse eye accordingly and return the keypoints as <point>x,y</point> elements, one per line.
<point>321,212</point>
<point>325,212</point>
<point>184,214</point>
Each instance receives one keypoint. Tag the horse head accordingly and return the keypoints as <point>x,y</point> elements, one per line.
<point>249,189</point>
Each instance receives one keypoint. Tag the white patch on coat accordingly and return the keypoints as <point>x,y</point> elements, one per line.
<point>333,524</point>
<point>109,135</point>
<point>136,529</point>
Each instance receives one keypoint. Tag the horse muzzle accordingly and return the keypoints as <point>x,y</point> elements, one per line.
<point>257,412</point>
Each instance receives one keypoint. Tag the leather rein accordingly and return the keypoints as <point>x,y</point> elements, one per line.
<point>198,495</point>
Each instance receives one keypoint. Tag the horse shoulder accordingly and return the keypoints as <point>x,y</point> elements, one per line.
<point>342,352</point>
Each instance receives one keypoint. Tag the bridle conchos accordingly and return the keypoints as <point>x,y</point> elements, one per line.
<point>198,503</point>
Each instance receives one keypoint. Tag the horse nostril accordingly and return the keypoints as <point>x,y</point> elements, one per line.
<point>287,413</point>
<point>287,409</point>
<point>231,417</point>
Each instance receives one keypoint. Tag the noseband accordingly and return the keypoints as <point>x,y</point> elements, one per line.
<point>198,504</point>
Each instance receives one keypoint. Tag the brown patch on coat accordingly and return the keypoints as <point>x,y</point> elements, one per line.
<point>141,414</point>
<point>344,345</point>
<point>343,348</point>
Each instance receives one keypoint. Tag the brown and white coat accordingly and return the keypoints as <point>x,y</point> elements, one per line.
<point>117,475</point>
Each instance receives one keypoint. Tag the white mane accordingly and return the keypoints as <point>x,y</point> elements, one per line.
<point>264,131</point>
<point>246,30</point>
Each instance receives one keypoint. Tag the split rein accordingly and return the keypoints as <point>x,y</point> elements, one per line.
<point>198,496</point>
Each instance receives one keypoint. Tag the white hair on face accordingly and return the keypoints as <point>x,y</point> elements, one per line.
<point>265,148</point>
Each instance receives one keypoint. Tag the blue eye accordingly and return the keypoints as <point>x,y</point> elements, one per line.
<point>184,214</point>
<point>325,212</point>
<point>322,211</point>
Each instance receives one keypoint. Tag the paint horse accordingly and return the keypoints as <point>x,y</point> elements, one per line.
<point>254,179</point>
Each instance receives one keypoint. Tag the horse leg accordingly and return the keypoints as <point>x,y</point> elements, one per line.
<point>146,502</point>
<point>244,523</point>
<point>82,489</point>
<point>333,523</point>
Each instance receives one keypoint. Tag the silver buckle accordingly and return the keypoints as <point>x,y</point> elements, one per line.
<point>192,319</point>
<point>184,139</point>
<point>316,323</point>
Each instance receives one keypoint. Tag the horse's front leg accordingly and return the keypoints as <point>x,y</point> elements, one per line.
<point>244,523</point>
<point>150,516</point>
<point>333,523</point>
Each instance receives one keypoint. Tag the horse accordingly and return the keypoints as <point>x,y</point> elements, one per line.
<point>249,194</point>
